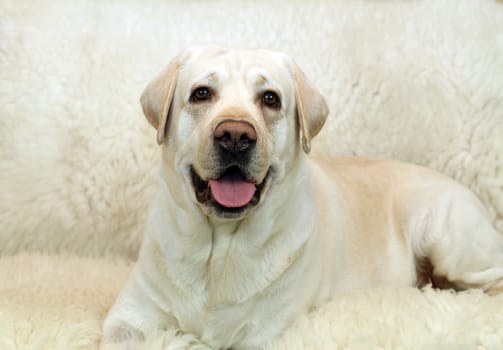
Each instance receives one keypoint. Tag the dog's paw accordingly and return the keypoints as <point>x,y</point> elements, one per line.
<point>182,341</point>
<point>121,338</point>
<point>171,339</point>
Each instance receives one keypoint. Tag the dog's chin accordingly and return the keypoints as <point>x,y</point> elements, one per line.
<point>212,207</point>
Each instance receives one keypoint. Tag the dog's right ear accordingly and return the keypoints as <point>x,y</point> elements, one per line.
<point>157,97</point>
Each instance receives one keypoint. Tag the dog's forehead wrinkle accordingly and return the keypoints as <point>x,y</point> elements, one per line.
<point>212,76</point>
<point>260,82</point>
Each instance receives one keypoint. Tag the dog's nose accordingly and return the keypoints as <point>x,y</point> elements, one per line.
<point>235,136</point>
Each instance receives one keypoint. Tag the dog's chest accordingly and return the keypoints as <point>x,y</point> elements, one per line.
<point>222,309</point>
<point>236,300</point>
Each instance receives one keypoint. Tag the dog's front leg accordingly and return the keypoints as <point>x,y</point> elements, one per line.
<point>121,338</point>
<point>136,322</point>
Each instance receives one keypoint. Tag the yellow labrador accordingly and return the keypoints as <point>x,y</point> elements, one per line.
<point>248,232</point>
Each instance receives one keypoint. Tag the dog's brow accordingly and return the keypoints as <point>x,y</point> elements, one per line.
<point>261,80</point>
<point>263,83</point>
<point>208,78</point>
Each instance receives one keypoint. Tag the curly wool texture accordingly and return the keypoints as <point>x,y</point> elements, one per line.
<point>417,81</point>
<point>59,302</point>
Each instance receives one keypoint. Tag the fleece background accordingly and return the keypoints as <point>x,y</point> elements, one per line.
<point>420,81</point>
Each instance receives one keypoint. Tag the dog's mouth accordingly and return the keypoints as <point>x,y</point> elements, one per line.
<point>230,194</point>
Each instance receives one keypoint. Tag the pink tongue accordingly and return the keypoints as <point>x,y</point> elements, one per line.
<point>232,190</point>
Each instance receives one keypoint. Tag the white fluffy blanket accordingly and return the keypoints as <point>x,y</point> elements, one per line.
<point>420,81</point>
<point>59,302</point>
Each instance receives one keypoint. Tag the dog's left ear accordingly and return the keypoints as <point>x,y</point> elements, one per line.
<point>312,110</point>
<point>157,97</point>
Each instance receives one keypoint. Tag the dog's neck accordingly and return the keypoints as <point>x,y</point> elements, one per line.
<point>225,253</point>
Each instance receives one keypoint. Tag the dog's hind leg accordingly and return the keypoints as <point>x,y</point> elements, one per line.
<point>456,235</point>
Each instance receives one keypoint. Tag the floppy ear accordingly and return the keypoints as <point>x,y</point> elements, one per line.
<point>312,110</point>
<point>157,96</point>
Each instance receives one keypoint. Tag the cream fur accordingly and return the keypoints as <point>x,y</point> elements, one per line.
<point>237,279</point>
<point>418,81</point>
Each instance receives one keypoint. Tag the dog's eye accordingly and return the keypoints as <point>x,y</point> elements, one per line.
<point>271,99</point>
<point>200,94</point>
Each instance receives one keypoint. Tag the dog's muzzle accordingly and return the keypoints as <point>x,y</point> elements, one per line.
<point>233,188</point>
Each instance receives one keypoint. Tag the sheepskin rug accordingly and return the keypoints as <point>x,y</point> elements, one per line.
<point>420,81</point>
<point>59,302</point>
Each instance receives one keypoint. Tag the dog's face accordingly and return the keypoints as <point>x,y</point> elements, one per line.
<point>233,121</point>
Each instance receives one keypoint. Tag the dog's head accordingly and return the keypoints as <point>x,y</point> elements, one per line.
<point>233,122</point>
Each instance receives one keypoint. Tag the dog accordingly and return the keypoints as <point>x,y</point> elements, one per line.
<point>248,231</point>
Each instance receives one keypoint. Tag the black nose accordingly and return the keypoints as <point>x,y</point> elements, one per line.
<point>235,136</point>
